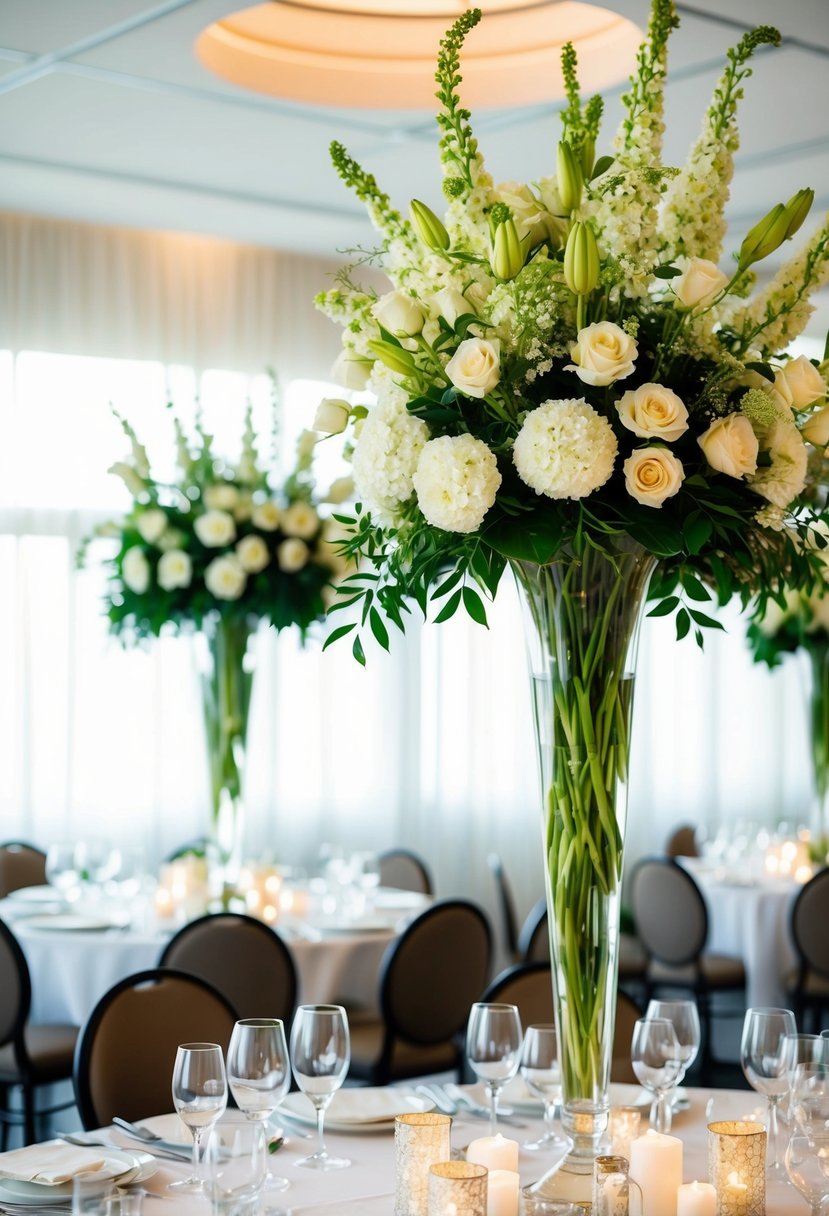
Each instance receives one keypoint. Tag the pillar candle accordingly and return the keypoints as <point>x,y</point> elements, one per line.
<point>502,1193</point>
<point>495,1152</point>
<point>656,1164</point>
<point>696,1199</point>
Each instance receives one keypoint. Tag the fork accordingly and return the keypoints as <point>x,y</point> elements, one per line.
<point>85,1143</point>
<point>505,1114</point>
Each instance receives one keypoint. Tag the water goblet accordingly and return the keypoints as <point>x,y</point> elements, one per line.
<point>62,869</point>
<point>237,1166</point>
<point>200,1098</point>
<point>807,1164</point>
<point>657,1061</point>
<point>763,1060</point>
<point>493,1049</point>
<point>259,1074</point>
<point>809,1098</point>
<point>541,1071</point>
<point>320,1055</point>
<point>685,1019</point>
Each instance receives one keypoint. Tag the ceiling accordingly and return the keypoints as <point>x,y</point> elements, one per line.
<point>107,116</point>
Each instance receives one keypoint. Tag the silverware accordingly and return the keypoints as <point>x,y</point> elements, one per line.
<point>442,1101</point>
<point>477,1111</point>
<point>177,1155</point>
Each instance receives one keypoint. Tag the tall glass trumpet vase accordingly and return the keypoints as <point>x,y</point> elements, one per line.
<point>582,614</point>
<point>819,739</point>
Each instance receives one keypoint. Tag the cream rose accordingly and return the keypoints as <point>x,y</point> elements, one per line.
<point>221,496</point>
<point>699,282</point>
<point>450,304</point>
<point>475,367</point>
<point>224,577</point>
<point>151,524</point>
<point>135,570</point>
<point>350,370</point>
<point>816,428</point>
<point>800,383</point>
<point>266,515</point>
<point>253,554</point>
<point>602,354</point>
<point>652,475</point>
<point>174,570</point>
<point>292,555</point>
<point>399,314</point>
<point>653,411</point>
<point>730,446</point>
<point>332,415</point>
<point>300,519</point>
<point>215,528</point>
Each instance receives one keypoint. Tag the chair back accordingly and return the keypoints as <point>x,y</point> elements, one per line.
<point>627,1015</point>
<point>15,988</point>
<point>810,913</point>
<point>534,938</point>
<point>245,959</point>
<point>21,865</point>
<point>669,910</point>
<point>530,987</point>
<point>682,842</point>
<point>434,972</point>
<point>403,869</point>
<point>506,904</point>
<point>126,1051</point>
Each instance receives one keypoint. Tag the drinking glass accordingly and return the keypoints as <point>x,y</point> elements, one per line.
<point>763,1059</point>
<point>542,1076</point>
<point>807,1164</point>
<point>493,1048</point>
<point>259,1073</point>
<point>200,1098</point>
<point>657,1061</point>
<point>236,1168</point>
<point>320,1055</point>
<point>685,1019</point>
<point>62,870</point>
<point>809,1098</point>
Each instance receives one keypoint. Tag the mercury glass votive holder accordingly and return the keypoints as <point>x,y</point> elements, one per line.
<point>457,1188</point>
<point>611,1189</point>
<point>737,1166</point>
<point>623,1127</point>
<point>420,1141</point>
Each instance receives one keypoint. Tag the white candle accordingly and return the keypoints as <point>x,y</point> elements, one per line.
<point>696,1199</point>
<point>502,1193</point>
<point>495,1152</point>
<point>656,1164</point>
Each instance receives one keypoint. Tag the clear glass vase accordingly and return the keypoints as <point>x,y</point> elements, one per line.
<point>819,741</point>
<point>582,615</point>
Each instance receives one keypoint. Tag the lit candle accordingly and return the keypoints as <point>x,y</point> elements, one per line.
<point>696,1199</point>
<point>495,1152</point>
<point>457,1188</point>
<point>737,1166</point>
<point>623,1126</point>
<point>656,1164</point>
<point>420,1141</point>
<point>502,1193</point>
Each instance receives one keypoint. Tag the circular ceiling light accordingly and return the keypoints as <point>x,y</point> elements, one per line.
<point>381,53</point>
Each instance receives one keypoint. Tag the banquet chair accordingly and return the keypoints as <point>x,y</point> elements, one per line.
<point>21,865</point>
<point>672,922</point>
<point>809,985</point>
<point>506,905</point>
<point>429,978</point>
<point>190,848</point>
<point>126,1050</point>
<point>403,869</point>
<point>30,1056</point>
<point>534,946</point>
<point>244,958</point>
<point>682,842</point>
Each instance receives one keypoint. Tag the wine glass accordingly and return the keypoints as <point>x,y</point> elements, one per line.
<point>807,1164</point>
<point>493,1048</point>
<point>809,1098</point>
<point>320,1055</point>
<point>237,1167</point>
<point>763,1059</point>
<point>657,1061</point>
<point>685,1019</point>
<point>259,1073</point>
<point>542,1076</point>
<point>200,1097</point>
<point>62,870</point>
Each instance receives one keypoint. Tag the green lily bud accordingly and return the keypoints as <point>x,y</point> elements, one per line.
<point>506,256</point>
<point>766,235</point>
<point>428,227</point>
<point>569,176</point>
<point>588,157</point>
<point>797,208</point>
<point>394,357</point>
<point>581,259</point>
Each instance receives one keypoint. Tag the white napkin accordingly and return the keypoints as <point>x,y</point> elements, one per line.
<point>370,1105</point>
<point>51,1162</point>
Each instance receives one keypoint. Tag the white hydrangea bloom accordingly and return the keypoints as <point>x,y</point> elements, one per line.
<point>386,454</point>
<point>456,481</point>
<point>785,478</point>
<point>565,449</point>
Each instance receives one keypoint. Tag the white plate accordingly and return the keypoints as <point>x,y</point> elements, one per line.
<point>35,895</point>
<point>69,922</point>
<point>375,924</point>
<point>380,1105</point>
<point>120,1165</point>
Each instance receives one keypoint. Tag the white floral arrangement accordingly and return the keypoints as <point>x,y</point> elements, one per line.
<point>566,359</point>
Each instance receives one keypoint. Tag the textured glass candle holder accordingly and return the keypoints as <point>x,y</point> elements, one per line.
<point>623,1127</point>
<point>737,1167</point>
<point>420,1141</point>
<point>611,1186</point>
<point>457,1188</point>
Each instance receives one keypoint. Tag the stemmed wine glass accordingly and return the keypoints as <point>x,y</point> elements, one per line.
<point>657,1060</point>
<point>259,1074</point>
<point>200,1098</point>
<point>493,1048</point>
<point>807,1164</point>
<point>320,1056</point>
<point>809,1098</point>
<point>685,1019</point>
<point>764,1062</point>
<point>541,1071</point>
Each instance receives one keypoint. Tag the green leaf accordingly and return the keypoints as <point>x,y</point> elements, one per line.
<point>697,532</point>
<point>446,586</point>
<point>379,630</point>
<point>666,272</point>
<point>694,588</point>
<point>665,607</point>
<point>764,370</point>
<point>683,624</point>
<point>707,622</point>
<point>358,652</point>
<point>661,539</point>
<point>449,608</point>
<point>601,166</point>
<point>532,537</point>
<point>474,605</point>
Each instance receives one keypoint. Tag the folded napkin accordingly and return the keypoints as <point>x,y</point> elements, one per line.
<point>370,1105</point>
<point>51,1162</point>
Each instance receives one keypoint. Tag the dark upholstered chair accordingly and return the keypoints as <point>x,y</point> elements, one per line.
<point>126,1051</point>
<point>403,869</point>
<point>682,842</point>
<point>30,1056</point>
<point>809,986</point>
<point>21,865</point>
<point>429,978</point>
<point>506,905</point>
<point>242,957</point>
<point>533,939</point>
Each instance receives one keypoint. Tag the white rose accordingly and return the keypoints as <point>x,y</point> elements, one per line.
<point>399,314</point>
<point>332,415</point>
<point>699,282</point>
<point>225,578</point>
<point>135,570</point>
<point>244,508</point>
<point>602,354</point>
<point>151,524</point>
<point>350,370</point>
<point>266,515</point>
<point>300,519</point>
<point>531,217</point>
<point>800,383</point>
<point>730,446</point>
<point>215,528</point>
<point>292,555</point>
<point>220,496</point>
<point>816,428</point>
<point>450,304</point>
<point>340,490</point>
<point>174,570</point>
<point>475,367</point>
<point>652,475</point>
<point>653,411</point>
<point>253,554</point>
